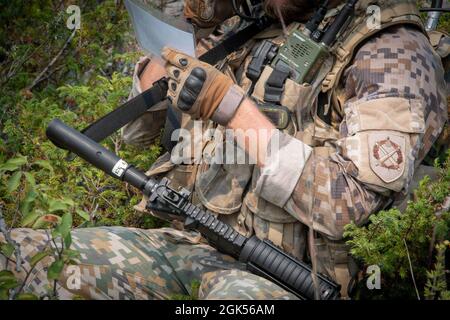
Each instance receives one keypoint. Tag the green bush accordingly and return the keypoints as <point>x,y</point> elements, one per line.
<point>409,247</point>
<point>91,77</point>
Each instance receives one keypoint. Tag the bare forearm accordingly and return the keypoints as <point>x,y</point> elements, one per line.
<point>281,157</point>
<point>249,122</point>
<point>153,72</point>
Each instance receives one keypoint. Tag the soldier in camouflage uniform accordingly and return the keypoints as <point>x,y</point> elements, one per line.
<point>385,94</point>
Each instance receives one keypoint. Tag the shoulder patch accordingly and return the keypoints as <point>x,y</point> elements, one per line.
<point>387,154</point>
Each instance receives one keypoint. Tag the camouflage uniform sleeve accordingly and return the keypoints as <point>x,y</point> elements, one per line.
<point>393,112</point>
<point>146,129</point>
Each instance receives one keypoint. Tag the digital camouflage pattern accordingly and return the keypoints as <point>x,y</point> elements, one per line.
<point>339,185</point>
<point>396,64</point>
<point>126,263</point>
<point>394,83</point>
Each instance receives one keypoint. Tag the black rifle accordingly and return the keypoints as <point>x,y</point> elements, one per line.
<point>261,257</point>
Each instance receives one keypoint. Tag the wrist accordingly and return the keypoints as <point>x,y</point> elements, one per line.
<point>253,130</point>
<point>229,105</point>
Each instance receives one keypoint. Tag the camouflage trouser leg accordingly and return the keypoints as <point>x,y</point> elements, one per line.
<point>126,263</point>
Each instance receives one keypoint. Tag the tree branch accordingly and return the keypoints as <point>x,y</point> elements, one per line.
<point>43,72</point>
<point>411,270</point>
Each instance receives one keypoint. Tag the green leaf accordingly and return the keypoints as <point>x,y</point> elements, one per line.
<point>13,164</point>
<point>6,273</point>
<point>26,296</point>
<point>70,254</point>
<point>57,205</point>
<point>7,249</point>
<point>55,269</point>
<point>7,280</point>
<point>83,214</point>
<point>44,164</point>
<point>14,181</point>
<point>3,294</point>
<point>26,204</point>
<point>68,201</point>
<point>9,284</point>
<point>65,225</point>
<point>30,178</point>
<point>38,257</point>
<point>30,218</point>
<point>68,240</point>
<point>31,195</point>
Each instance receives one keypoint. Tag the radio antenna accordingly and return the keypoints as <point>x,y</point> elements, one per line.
<point>344,15</point>
<point>316,19</point>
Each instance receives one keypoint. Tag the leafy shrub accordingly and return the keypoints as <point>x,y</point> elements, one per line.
<point>57,247</point>
<point>409,246</point>
<point>92,77</point>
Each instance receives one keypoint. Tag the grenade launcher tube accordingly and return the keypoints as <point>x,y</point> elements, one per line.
<point>261,257</point>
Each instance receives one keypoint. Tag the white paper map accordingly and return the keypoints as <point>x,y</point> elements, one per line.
<point>155,30</point>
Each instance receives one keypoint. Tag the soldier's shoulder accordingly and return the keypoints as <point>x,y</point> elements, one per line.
<point>401,37</point>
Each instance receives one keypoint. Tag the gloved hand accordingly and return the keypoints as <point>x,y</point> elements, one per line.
<point>195,87</point>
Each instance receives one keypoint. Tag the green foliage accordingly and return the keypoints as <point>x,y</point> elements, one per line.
<point>393,238</point>
<point>7,282</point>
<point>90,79</point>
<point>436,286</point>
<point>195,286</point>
<point>57,251</point>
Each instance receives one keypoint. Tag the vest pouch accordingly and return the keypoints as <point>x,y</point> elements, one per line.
<point>323,132</point>
<point>296,98</point>
<point>333,260</point>
<point>266,210</point>
<point>180,175</point>
<point>268,221</point>
<point>220,184</point>
<point>292,93</point>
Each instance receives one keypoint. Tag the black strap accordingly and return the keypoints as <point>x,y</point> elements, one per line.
<point>275,86</point>
<point>173,122</point>
<point>129,111</point>
<point>233,42</point>
<point>136,107</point>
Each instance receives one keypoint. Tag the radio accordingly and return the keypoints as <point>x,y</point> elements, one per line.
<point>305,49</point>
<point>301,56</point>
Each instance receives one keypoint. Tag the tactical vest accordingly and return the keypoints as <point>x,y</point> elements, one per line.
<point>227,189</point>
